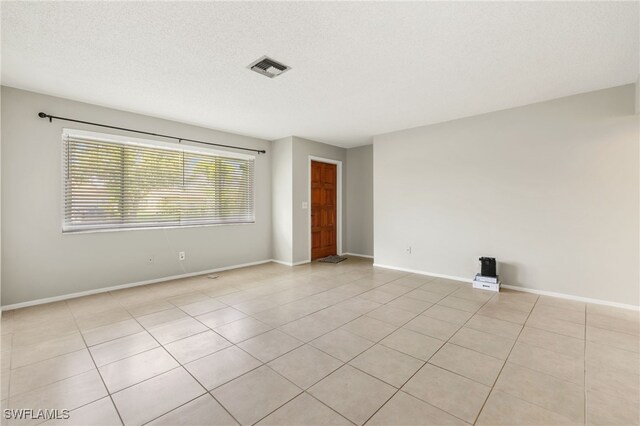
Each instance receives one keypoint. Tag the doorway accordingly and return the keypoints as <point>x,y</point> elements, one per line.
<point>324,197</point>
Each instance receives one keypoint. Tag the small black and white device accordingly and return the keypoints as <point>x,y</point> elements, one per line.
<point>488,278</point>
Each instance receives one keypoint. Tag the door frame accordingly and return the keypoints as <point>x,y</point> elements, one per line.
<point>338,164</point>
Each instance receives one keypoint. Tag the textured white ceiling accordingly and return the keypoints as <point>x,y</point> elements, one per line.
<point>359,69</point>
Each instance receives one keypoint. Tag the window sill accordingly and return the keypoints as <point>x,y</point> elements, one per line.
<point>153,228</point>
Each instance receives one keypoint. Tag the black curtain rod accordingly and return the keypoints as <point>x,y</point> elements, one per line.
<point>51,117</point>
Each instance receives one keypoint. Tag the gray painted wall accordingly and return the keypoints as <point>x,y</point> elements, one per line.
<point>302,149</point>
<point>360,200</point>
<point>551,190</point>
<point>39,261</point>
<point>282,199</point>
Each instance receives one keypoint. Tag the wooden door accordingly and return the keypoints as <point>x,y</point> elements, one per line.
<point>323,209</point>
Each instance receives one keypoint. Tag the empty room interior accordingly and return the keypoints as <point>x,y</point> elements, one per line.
<point>320,213</point>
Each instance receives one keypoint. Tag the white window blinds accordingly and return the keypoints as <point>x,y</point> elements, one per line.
<point>111,182</point>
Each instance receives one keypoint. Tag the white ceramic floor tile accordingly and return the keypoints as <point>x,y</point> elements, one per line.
<point>242,329</point>
<point>98,413</point>
<point>468,363</point>
<point>113,331</point>
<point>562,397</point>
<point>222,366</point>
<point>342,344</point>
<point>386,364</point>
<point>352,393</point>
<point>270,345</point>
<point>121,348</point>
<point>70,393</point>
<point>447,390</point>
<point>304,410</point>
<point>406,410</point>
<point>203,410</point>
<point>45,372</point>
<point>506,410</point>
<point>411,343</point>
<point>152,398</point>
<point>196,346</point>
<point>174,330</point>
<point>253,396</point>
<point>129,371</point>
<point>220,317</point>
<point>305,366</point>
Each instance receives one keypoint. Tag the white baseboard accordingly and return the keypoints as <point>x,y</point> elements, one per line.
<point>123,286</point>
<point>430,274</point>
<point>572,297</point>
<point>518,288</point>
<point>282,262</point>
<point>260,262</point>
<point>359,255</point>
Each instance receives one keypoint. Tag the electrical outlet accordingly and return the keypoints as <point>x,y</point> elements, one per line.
<point>409,250</point>
<point>182,256</point>
<point>150,259</point>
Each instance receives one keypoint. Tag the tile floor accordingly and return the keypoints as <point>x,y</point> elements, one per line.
<point>322,345</point>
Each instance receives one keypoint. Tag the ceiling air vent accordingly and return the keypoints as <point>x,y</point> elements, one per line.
<point>269,67</point>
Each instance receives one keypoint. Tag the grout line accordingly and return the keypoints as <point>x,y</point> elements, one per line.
<point>286,402</point>
<point>341,415</point>
<point>554,332</point>
<point>220,404</point>
<point>505,362</point>
<point>95,365</point>
<point>584,366</point>
<point>115,338</point>
<point>55,381</point>
<point>613,331</point>
<point>180,406</point>
<point>10,369</point>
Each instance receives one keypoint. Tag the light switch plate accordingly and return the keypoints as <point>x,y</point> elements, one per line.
<point>305,205</point>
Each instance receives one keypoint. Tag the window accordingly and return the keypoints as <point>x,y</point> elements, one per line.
<point>113,182</point>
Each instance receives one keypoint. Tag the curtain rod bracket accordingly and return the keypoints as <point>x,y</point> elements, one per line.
<point>51,117</point>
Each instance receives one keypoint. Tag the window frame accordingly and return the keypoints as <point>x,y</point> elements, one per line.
<point>146,143</point>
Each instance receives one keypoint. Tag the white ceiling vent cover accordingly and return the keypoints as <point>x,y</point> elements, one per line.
<point>269,67</point>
